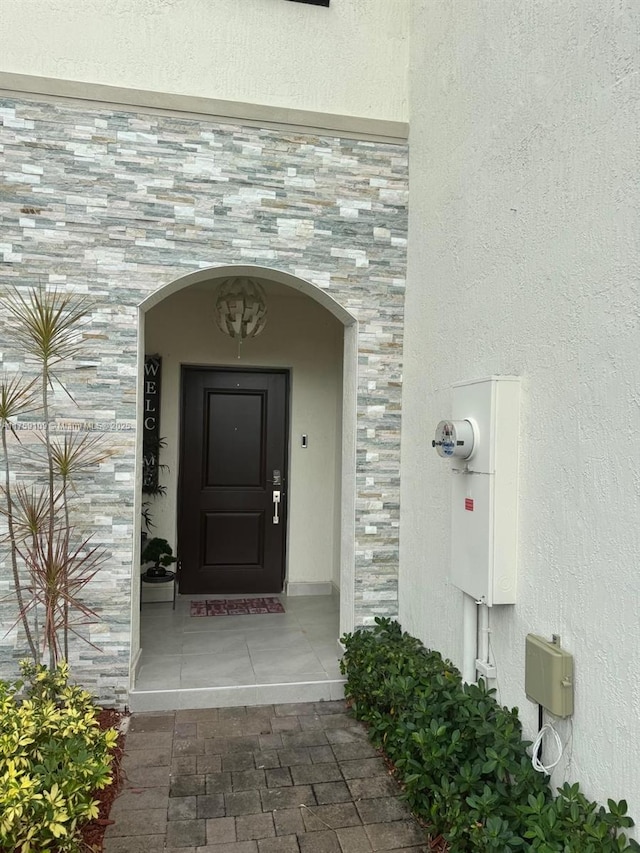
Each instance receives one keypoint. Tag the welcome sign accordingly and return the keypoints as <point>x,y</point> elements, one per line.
<point>151,424</point>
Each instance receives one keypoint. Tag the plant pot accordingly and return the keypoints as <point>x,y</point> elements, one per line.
<point>156,572</point>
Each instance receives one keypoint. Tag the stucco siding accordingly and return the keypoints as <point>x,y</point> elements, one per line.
<point>350,58</point>
<point>523,260</point>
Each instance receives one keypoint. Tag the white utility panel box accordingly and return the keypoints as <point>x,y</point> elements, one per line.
<point>485,490</point>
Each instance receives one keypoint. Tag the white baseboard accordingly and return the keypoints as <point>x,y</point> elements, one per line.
<point>304,588</point>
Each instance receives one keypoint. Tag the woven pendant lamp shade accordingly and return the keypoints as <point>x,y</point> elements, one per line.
<point>241,308</point>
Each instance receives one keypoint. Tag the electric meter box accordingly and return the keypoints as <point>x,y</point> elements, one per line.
<point>548,675</point>
<point>485,490</point>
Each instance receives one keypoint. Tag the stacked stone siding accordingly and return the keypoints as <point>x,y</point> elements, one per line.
<point>118,204</point>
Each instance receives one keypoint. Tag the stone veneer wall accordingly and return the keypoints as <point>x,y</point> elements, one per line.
<point>119,203</point>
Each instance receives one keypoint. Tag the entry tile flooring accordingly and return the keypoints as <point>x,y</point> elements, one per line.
<point>222,661</point>
<point>290,778</point>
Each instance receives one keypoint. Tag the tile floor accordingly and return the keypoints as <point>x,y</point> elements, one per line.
<point>221,661</point>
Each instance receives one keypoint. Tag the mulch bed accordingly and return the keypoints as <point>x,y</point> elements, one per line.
<point>92,834</point>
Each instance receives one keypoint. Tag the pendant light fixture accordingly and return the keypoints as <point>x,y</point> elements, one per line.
<point>241,308</point>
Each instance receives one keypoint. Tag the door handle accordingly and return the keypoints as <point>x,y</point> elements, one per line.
<point>276,505</point>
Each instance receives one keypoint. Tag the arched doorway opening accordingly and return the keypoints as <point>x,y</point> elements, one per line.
<point>311,339</point>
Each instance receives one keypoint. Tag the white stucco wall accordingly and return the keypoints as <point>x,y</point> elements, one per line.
<point>299,335</point>
<point>523,259</point>
<point>350,58</point>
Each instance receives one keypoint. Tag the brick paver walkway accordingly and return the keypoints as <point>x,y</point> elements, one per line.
<point>268,779</point>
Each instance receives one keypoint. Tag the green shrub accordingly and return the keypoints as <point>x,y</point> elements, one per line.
<point>460,756</point>
<point>53,756</point>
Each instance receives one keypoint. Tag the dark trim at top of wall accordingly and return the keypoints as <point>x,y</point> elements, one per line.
<point>375,130</point>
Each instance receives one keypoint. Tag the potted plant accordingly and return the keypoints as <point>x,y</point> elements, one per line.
<point>146,524</point>
<point>159,552</point>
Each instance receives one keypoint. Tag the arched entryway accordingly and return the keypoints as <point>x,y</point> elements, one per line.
<point>310,340</point>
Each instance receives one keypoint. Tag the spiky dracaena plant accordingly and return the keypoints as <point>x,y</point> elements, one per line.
<point>73,454</point>
<point>16,398</point>
<point>46,325</point>
<point>31,512</point>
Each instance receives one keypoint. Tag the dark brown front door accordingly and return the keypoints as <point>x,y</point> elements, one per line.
<point>231,532</point>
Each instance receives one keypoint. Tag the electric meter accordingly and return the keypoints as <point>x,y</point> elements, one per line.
<point>454,439</point>
<point>481,441</point>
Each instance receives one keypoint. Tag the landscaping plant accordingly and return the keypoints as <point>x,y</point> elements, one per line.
<point>51,559</point>
<point>460,757</point>
<point>53,756</point>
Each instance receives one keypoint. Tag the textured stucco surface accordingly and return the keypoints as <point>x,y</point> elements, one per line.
<point>524,260</point>
<point>350,58</point>
<point>120,204</point>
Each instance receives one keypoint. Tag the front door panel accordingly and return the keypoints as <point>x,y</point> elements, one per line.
<point>234,428</point>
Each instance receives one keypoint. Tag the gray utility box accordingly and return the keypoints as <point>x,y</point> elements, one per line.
<point>548,675</point>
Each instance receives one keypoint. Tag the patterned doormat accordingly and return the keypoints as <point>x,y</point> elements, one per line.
<point>236,606</point>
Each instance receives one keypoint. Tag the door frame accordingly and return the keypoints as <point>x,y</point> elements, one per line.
<point>160,291</point>
<point>226,368</point>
